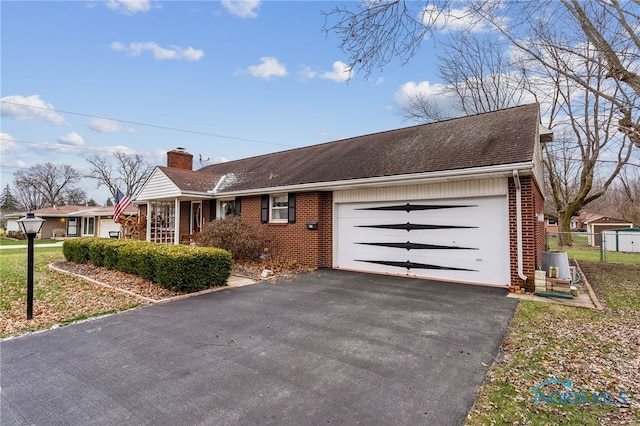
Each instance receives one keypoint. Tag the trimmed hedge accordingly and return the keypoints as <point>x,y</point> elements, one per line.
<point>179,268</point>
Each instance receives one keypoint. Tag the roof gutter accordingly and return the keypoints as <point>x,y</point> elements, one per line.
<point>516,180</point>
<point>503,170</point>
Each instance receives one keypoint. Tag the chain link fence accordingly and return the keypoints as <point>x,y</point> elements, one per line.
<point>607,246</point>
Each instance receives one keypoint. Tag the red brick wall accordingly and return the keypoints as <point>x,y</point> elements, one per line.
<point>180,159</point>
<point>207,207</point>
<point>293,240</point>
<point>325,228</point>
<point>532,230</point>
<point>185,218</point>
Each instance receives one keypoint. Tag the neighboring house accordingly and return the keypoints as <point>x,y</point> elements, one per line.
<point>456,200</point>
<point>595,224</point>
<point>551,223</point>
<point>73,221</point>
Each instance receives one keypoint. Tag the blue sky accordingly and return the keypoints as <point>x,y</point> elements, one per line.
<point>235,79</point>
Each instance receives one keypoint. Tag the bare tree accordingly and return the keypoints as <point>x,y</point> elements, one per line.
<point>47,185</point>
<point>611,29</point>
<point>479,72</point>
<point>478,75</point>
<point>75,197</point>
<point>129,172</point>
<point>373,33</point>
<point>627,196</point>
<point>422,108</point>
<point>589,152</point>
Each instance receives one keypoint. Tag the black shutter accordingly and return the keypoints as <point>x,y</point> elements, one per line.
<point>291,213</point>
<point>264,209</point>
<point>238,206</point>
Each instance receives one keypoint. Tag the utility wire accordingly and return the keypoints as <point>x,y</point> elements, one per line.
<point>195,132</point>
<point>59,145</point>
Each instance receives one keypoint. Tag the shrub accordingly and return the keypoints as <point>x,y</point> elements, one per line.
<point>111,252</point>
<point>96,252</point>
<point>244,241</point>
<point>16,235</point>
<point>180,268</point>
<point>76,250</point>
<point>189,269</point>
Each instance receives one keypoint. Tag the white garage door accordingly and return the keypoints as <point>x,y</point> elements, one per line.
<point>460,240</point>
<point>106,226</point>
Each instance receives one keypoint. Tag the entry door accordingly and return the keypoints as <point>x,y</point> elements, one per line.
<point>463,240</point>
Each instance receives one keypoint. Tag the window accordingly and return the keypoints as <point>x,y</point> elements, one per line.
<point>228,208</point>
<point>552,222</point>
<point>72,226</point>
<point>162,222</point>
<point>88,225</point>
<point>279,208</point>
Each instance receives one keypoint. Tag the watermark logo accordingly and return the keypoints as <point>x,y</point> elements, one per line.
<point>570,396</point>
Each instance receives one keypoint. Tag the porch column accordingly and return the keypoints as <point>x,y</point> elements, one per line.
<point>148,237</point>
<point>176,225</point>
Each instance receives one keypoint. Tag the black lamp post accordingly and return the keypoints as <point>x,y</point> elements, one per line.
<point>30,225</point>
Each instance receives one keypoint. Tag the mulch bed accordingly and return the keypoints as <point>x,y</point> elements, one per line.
<point>117,279</point>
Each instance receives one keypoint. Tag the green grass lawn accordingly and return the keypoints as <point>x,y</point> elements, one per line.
<point>58,298</point>
<point>20,243</point>
<point>582,251</point>
<point>596,350</point>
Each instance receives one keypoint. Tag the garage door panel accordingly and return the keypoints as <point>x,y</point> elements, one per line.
<point>465,240</point>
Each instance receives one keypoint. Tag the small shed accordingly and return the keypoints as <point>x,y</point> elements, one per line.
<point>598,224</point>
<point>625,240</point>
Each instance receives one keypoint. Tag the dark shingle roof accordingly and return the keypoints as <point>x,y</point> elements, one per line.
<point>188,180</point>
<point>496,138</point>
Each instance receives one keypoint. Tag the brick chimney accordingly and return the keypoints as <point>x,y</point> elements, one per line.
<point>180,159</point>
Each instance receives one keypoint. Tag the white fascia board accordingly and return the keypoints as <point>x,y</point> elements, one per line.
<point>182,195</point>
<point>505,170</point>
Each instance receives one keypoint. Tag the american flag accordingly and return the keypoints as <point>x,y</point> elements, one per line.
<point>122,202</point>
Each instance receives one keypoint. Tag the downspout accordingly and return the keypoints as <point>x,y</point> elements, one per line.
<point>516,180</point>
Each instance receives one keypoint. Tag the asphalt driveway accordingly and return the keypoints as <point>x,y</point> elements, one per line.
<point>330,347</point>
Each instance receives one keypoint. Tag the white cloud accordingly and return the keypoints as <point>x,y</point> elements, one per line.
<point>29,108</point>
<point>242,8</point>
<point>307,73</point>
<point>72,138</point>
<point>269,67</point>
<point>341,72</point>
<point>8,145</point>
<point>104,125</point>
<point>159,52</point>
<point>129,7</point>
<point>455,20</point>
<point>432,92</point>
<point>112,149</point>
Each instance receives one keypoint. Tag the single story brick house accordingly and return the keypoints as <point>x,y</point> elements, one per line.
<point>73,221</point>
<point>458,200</point>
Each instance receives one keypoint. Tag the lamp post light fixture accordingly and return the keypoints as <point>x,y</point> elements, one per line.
<point>30,225</point>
